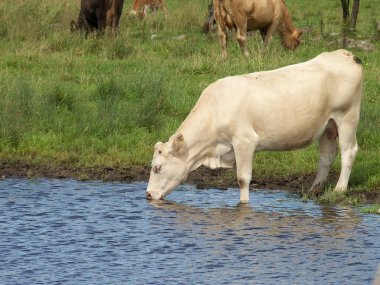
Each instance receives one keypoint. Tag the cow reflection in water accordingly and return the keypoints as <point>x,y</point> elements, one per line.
<point>244,221</point>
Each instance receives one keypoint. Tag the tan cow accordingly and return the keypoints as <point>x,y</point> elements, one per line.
<point>278,110</point>
<point>267,16</point>
<point>141,7</point>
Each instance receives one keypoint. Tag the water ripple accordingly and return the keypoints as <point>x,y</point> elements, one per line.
<point>70,232</point>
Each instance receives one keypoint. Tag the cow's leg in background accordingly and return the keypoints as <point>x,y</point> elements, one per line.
<point>112,21</point>
<point>220,15</point>
<point>116,20</point>
<point>241,36</point>
<point>263,33</point>
<point>101,19</point>
<point>244,149</point>
<point>87,26</point>
<point>269,33</point>
<point>223,39</point>
<point>348,149</point>
<point>115,24</point>
<point>163,7</point>
<point>328,149</point>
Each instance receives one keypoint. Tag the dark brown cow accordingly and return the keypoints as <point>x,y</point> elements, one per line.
<point>97,15</point>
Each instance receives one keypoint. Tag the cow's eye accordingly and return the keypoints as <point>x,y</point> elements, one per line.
<point>160,151</point>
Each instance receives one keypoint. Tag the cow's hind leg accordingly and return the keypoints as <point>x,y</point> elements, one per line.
<point>348,148</point>
<point>328,149</point>
<point>244,149</point>
<point>222,39</point>
<point>241,34</point>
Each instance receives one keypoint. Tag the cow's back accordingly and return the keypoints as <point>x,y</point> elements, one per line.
<point>283,104</point>
<point>259,13</point>
<point>347,73</point>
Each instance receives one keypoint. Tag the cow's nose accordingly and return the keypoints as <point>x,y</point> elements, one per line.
<point>148,196</point>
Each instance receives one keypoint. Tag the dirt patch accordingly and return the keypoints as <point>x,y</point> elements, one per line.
<point>202,178</point>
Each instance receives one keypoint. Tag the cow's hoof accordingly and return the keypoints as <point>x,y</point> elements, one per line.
<point>340,190</point>
<point>315,192</point>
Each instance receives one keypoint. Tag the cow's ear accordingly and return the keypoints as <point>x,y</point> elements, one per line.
<point>299,33</point>
<point>178,142</point>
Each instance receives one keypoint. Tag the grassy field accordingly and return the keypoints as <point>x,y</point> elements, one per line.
<point>105,101</point>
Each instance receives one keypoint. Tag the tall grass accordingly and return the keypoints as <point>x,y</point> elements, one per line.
<point>106,101</point>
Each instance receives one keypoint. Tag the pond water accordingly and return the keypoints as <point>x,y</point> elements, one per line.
<point>71,232</point>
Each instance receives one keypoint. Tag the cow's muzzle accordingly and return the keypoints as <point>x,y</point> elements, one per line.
<point>153,196</point>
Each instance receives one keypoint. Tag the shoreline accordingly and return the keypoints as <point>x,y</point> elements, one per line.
<point>201,178</point>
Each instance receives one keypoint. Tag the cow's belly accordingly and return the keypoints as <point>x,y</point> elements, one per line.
<point>261,17</point>
<point>253,25</point>
<point>289,136</point>
<point>285,142</point>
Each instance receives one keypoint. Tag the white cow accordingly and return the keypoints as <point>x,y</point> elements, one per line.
<point>283,109</point>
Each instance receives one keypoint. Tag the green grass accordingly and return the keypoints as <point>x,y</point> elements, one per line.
<point>375,209</point>
<point>105,101</point>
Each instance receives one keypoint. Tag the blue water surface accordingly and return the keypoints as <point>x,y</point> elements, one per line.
<point>71,232</point>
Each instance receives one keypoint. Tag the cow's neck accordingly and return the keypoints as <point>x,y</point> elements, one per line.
<point>199,136</point>
<point>286,29</point>
<point>203,145</point>
<point>200,154</point>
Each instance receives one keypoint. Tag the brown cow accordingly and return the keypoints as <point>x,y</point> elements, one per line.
<point>97,15</point>
<point>267,16</point>
<point>141,7</point>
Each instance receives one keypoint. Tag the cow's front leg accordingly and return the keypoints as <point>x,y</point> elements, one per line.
<point>269,33</point>
<point>115,25</point>
<point>263,33</point>
<point>244,150</point>
<point>163,7</point>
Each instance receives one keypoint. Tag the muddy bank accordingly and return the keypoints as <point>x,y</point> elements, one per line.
<point>202,178</point>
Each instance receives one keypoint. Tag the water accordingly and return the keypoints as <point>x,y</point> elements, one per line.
<point>70,232</point>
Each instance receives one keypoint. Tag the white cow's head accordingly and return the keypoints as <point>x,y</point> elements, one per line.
<point>169,167</point>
